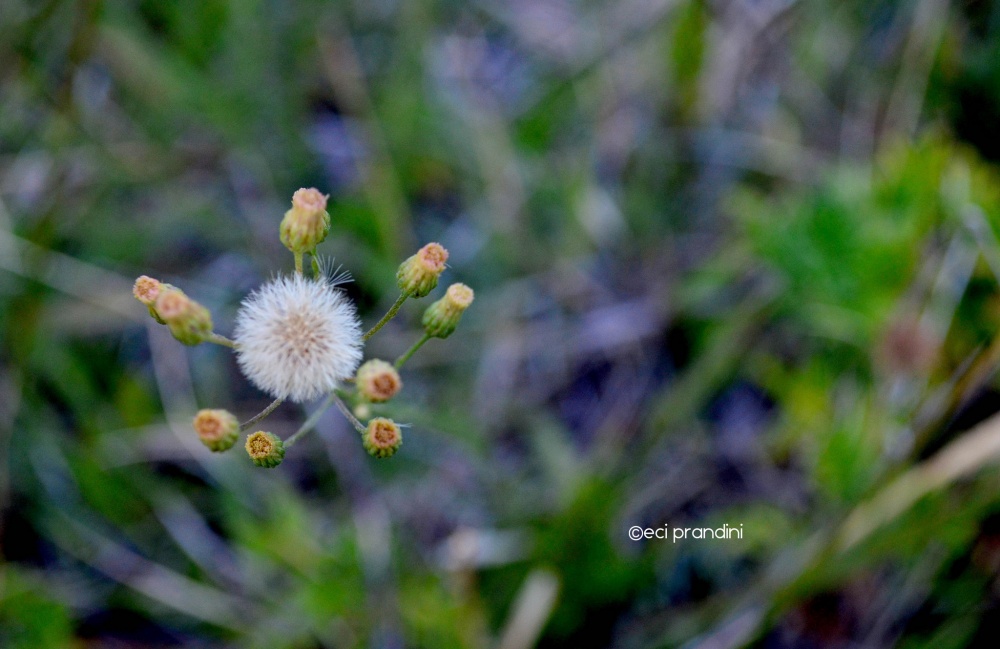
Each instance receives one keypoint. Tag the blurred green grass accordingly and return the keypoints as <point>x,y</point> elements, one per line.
<point>734,263</point>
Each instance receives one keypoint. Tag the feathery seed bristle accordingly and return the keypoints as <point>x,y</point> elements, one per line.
<point>297,338</point>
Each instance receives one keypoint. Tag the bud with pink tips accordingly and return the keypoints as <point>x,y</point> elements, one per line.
<point>418,275</point>
<point>305,225</point>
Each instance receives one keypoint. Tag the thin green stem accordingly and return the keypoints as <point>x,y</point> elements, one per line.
<point>358,426</point>
<point>310,423</point>
<point>390,314</point>
<point>298,263</point>
<point>412,350</point>
<point>263,413</point>
<point>315,263</point>
<point>219,339</point>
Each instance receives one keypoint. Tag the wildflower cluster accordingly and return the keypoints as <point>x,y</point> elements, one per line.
<point>298,337</point>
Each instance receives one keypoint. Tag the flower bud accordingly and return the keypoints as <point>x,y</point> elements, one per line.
<point>265,449</point>
<point>188,321</point>
<point>419,274</point>
<point>217,429</point>
<point>146,289</point>
<point>441,318</point>
<point>307,223</point>
<point>172,304</point>
<point>378,381</point>
<point>382,438</point>
<point>193,329</point>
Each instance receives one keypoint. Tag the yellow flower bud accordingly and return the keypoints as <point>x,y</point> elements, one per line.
<point>217,429</point>
<point>441,318</point>
<point>265,449</point>
<point>418,275</point>
<point>305,225</point>
<point>382,438</point>
<point>378,381</point>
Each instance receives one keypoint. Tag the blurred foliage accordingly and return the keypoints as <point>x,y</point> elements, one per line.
<point>735,263</point>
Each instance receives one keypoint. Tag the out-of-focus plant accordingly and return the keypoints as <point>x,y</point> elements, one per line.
<point>728,283</point>
<point>881,285</point>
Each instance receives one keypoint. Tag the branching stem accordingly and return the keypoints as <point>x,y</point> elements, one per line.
<point>310,423</point>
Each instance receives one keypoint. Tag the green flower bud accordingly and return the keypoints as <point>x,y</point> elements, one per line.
<point>419,274</point>
<point>305,225</point>
<point>441,318</point>
<point>188,321</point>
<point>217,429</point>
<point>378,381</point>
<point>265,449</point>
<point>382,438</point>
<point>154,315</point>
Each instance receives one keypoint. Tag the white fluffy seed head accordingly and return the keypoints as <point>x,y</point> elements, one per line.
<point>297,338</point>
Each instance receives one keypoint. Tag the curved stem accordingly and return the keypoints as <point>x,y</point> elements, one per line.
<point>412,350</point>
<point>390,314</point>
<point>263,413</point>
<point>219,339</point>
